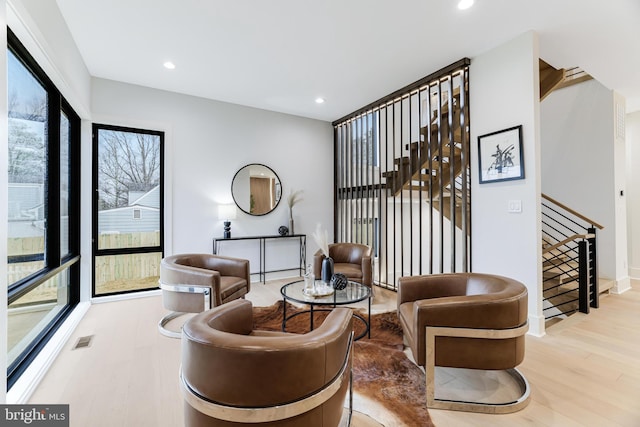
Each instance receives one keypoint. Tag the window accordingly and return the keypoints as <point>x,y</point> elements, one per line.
<point>128,216</point>
<point>43,207</point>
<point>27,170</point>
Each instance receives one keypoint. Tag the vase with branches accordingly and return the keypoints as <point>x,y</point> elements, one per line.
<point>293,198</point>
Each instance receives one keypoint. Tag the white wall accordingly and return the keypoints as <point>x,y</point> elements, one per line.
<point>633,192</point>
<point>206,142</point>
<point>583,165</point>
<point>504,93</point>
<point>622,279</point>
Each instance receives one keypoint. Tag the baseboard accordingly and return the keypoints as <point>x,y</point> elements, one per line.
<point>634,272</point>
<point>126,296</point>
<point>292,274</point>
<point>24,387</point>
<point>621,285</point>
<point>536,326</point>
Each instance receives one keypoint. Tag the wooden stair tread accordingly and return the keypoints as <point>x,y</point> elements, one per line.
<point>436,153</point>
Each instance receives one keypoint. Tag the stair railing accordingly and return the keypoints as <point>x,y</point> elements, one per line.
<point>570,272</point>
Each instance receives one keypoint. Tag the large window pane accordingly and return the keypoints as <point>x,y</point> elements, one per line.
<point>128,189</point>
<point>30,314</point>
<point>42,206</point>
<point>27,172</point>
<point>127,209</point>
<point>123,273</point>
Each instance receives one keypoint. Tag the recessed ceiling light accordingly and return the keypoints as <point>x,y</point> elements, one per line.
<point>169,65</point>
<point>465,4</point>
<point>319,100</point>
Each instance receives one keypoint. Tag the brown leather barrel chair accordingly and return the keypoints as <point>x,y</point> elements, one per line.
<point>351,259</point>
<point>465,320</point>
<point>192,283</point>
<point>233,375</point>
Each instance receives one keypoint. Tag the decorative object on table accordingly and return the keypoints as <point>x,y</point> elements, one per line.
<point>283,230</point>
<point>314,288</point>
<point>500,155</point>
<point>327,269</point>
<point>320,289</point>
<point>227,213</point>
<point>351,259</point>
<point>339,281</point>
<point>293,198</point>
<point>309,281</point>
<point>321,239</point>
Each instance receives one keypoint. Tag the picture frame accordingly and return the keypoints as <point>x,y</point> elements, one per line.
<point>500,155</point>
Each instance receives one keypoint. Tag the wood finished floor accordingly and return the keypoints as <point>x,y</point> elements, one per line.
<point>584,372</point>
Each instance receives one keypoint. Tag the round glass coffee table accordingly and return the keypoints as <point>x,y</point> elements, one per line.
<point>354,292</point>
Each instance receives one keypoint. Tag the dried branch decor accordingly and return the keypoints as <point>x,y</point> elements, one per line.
<point>321,239</point>
<point>293,198</point>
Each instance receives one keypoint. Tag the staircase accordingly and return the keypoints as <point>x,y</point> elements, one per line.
<point>552,78</point>
<point>569,271</point>
<point>434,165</point>
<point>435,169</point>
<point>560,278</point>
<point>569,262</point>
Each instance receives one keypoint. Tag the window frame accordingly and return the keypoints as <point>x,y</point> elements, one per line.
<point>53,262</point>
<point>96,251</point>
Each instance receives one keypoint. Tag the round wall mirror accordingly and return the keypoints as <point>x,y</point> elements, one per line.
<point>256,189</point>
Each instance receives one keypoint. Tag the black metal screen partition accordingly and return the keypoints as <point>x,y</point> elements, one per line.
<point>402,177</point>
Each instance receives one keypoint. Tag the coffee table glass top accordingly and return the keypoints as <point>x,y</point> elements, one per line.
<point>352,293</point>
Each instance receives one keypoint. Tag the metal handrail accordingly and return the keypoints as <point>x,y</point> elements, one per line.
<point>571,256</point>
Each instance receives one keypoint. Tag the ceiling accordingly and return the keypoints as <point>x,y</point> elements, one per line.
<point>281,55</point>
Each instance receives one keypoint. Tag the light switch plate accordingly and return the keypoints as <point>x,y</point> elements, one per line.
<point>515,206</point>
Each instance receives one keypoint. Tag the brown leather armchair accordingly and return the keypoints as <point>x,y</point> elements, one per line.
<point>465,320</point>
<point>232,374</point>
<point>192,283</point>
<point>351,259</point>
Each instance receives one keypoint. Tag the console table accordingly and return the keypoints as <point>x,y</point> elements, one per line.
<point>262,242</point>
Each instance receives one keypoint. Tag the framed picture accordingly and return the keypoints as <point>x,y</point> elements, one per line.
<point>500,155</point>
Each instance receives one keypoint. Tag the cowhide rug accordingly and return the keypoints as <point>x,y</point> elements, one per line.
<point>387,385</point>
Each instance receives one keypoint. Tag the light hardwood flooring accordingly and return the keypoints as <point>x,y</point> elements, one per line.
<point>584,372</point>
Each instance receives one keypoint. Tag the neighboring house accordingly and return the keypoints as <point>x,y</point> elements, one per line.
<point>27,217</point>
<point>142,214</point>
<point>26,210</point>
<point>150,198</point>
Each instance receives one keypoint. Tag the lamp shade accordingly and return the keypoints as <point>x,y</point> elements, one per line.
<point>226,212</point>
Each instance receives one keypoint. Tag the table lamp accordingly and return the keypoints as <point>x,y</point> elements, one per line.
<point>227,213</point>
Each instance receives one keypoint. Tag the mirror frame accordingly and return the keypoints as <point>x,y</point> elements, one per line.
<point>277,181</point>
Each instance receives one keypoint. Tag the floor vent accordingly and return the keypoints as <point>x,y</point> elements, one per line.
<point>83,342</point>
